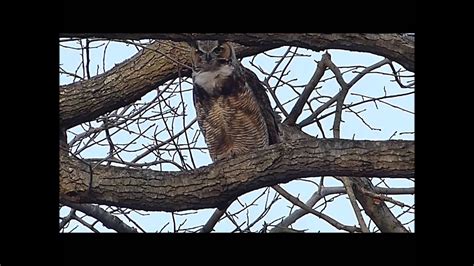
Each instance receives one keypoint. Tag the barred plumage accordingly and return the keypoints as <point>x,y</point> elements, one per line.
<point>233,109</point>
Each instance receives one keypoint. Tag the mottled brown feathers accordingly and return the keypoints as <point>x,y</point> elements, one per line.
<point>264,103</point>
<point>233,111</point>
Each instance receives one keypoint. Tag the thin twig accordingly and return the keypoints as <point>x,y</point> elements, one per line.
<point>341,93</point>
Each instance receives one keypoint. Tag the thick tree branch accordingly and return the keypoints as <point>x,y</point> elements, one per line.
<point>128,81</point>
<point>377,210</point>
<point>124,84</point>
<point>219,183</point>
<point>381,213</point>
<point>161,61</point>
<point>392,46</point>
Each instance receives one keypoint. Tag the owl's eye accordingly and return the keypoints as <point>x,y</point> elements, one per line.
<point>198,52</point>
<point>218,50</point>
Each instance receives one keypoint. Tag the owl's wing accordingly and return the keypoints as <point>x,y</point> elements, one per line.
<point>201,109</point>
<point>262,98</point>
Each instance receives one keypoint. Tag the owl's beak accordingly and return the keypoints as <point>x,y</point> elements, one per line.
<point>208,57</point>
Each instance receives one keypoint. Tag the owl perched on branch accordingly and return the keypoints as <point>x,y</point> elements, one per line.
<point>233,109</point>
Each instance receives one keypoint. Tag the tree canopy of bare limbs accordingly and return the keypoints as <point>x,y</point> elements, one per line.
<point>131,149</point>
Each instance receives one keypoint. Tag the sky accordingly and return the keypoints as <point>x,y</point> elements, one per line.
<point>381,116</point>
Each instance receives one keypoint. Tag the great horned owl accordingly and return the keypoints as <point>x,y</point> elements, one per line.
<point>233,109</point>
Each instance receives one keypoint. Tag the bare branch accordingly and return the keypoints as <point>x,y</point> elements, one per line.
<point>344,89</point>
<point>127,82</point>
<point>219,183</point>
<point>66,219</point>
<point>298,108</point>
<point>383,198</point>
<point>326,191</point>
<point>107,219</point>
<point>80,220</point>
<point>376,210</point>
<point>336,132</point>
<point>323,216</point>
<point>393,46</point>
<point>160,130</point>
<point>216,216</point>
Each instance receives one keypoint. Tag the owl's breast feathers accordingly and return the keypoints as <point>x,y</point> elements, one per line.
<point>237,117</point>
<point>213,81</point>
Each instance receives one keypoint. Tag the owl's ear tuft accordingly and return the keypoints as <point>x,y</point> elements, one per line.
<point>220,42</point>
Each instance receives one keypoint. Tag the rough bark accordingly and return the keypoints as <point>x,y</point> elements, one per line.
<point>376,209</point>
<point>214,185</point>
<point>128,81</point>
<point>391,46</point>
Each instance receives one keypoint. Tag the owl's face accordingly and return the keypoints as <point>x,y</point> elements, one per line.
<point>209,55</point>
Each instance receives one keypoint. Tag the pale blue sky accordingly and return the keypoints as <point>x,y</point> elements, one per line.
<point>386,118</point>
